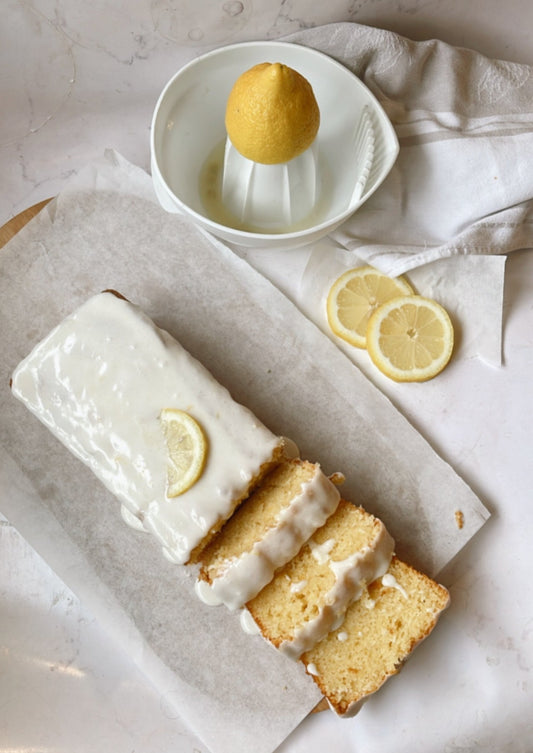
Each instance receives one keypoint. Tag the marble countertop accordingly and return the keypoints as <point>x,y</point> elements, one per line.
<point>80,77</point>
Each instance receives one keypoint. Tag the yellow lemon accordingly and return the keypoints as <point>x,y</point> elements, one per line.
<point>187,450</point>
<point>272,115</point>
<point>410,338</point>
<point>354,296</point>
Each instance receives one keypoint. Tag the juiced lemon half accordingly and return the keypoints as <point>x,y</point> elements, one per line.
<point>186,447</point>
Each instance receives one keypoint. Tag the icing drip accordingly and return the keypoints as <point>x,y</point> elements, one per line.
<point>321,552</point>
<point>169,555</point>
<point>290,448</point>
<point>351,576</point>
<point>131,520</point>
<point>205,594</point>
<point>248,624</point>
<point>297,588</point>
<point>389,581</point>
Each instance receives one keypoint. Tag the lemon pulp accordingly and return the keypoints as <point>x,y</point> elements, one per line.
<point>410,338</point>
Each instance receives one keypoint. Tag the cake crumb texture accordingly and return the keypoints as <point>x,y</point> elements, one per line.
<point>382,628</point>
<point>304,589</point>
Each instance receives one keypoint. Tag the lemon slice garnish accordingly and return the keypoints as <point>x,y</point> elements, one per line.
<point>186,447</point>
<point>410,338</point>
<point>354,296</point>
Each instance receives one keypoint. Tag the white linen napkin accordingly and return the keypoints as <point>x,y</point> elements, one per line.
<point>462,183</point>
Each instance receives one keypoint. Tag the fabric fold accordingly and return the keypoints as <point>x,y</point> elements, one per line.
<point>462,183</point>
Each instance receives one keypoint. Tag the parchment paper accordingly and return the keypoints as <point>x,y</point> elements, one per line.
<point>233,689</point>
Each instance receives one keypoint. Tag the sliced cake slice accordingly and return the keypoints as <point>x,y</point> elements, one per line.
<point>267,530</point>
<point>102,381</point>
<point>308,597</point>
<point>380,631</point>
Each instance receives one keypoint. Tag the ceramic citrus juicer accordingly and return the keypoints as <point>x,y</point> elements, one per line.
<point>271,176</point>
<point>287,201</point>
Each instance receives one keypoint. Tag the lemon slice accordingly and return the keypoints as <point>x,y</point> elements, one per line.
<point>410,338</point>
<point>354,296</point>
<point>187,450</point>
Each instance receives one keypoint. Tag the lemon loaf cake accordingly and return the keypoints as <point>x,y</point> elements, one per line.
<point>151,422</point>
<point>308,597</point>
<point>267,530</point>
<point>380,630</point>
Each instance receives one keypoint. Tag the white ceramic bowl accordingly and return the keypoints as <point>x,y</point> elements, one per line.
<point>188,130</point>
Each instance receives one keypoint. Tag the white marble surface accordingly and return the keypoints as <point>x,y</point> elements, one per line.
<point>78,77</point>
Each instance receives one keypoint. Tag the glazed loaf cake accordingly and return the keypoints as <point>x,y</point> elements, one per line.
<point>317,573</point>
<point>99,382</point>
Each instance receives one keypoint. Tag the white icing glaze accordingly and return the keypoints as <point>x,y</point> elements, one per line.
<point>342,636</point>
<point>170,556</point>
<point>389,581</point>
<point>321,552</point>
<point>296,588</point>
<point>99,381</point>
<point>131,520</point>
<point>338,622</point>
<point>245,576</point>
<point>290,448</point>
<point>248,624</point>
<point>351,576</point>
<point>205,594</point>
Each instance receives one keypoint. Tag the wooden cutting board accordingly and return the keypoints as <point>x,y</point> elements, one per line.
<point>16,223</point>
